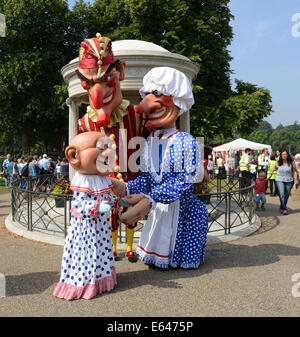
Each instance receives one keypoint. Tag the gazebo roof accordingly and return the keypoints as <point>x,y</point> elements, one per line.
<point>138,45</point>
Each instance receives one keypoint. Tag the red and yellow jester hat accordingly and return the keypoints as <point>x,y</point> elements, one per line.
<point>96,52</point>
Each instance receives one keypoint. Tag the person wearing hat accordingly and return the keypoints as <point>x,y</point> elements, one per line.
<point>44,164</point>
<point>175,232</point>
<point>100,74</point>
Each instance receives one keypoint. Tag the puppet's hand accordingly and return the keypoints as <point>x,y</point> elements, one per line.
<point>133,199</point>
<point>141,207</point>
<point>119,188</point>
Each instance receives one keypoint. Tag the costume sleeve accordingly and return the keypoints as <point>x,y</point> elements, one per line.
<point>192,171</point>
<point>139,185</point>
<point>83,203</point>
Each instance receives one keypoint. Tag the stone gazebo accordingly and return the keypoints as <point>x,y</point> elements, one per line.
<point>140,57</point>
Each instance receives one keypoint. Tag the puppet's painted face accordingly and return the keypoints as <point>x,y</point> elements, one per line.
<point>104,92</point>
<point>92,153</point>
<point>159,109</point>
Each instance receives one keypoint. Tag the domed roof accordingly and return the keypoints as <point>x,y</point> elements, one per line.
<point>136,45</point>
<point>138,48</point>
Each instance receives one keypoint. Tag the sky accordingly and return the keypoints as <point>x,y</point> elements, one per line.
<point>265,51</point>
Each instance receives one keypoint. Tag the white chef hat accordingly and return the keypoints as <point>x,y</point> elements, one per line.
<point>170,82</point>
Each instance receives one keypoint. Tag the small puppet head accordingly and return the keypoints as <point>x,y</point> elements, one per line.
<point>100,75</point>
<point>92,153</point>
<point>166,94</point>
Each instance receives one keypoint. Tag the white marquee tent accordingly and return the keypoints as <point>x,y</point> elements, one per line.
<point>241,144</point>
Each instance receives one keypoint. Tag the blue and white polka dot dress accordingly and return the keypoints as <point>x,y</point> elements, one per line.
<point>88,265</point>
<point>175,232</point>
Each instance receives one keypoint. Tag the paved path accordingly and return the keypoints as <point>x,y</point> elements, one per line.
<point>251,276</point>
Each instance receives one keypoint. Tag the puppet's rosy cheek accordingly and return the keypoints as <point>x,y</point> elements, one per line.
<point>91,153</point>
<point>166,99</point>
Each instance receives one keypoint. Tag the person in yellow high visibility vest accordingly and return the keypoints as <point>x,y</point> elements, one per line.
<point>245,168</point>
<point>263,160</point>
<point>271,176</point>
<point>277,156</point>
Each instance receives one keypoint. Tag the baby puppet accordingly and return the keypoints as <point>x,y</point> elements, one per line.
<point>88,265</point>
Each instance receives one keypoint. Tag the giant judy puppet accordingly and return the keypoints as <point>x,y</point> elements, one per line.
<point>100,74</point>
<point>175,232</point>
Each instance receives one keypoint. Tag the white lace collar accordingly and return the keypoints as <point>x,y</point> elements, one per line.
<point>164,133</point>
<point>91,183</point>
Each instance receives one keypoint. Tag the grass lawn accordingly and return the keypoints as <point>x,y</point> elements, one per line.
<point>4,190</point>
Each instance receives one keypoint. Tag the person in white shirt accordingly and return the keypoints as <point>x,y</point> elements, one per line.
<point>210,167</point>
<point>230,167</point>
<point>263,160</point>
<point>20,165</point>
<point>44,164</point>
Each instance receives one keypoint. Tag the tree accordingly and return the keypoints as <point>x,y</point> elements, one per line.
<point>281,139</point>
<point>262,133</point>
<point>39,41</point>
<point>247,106</point>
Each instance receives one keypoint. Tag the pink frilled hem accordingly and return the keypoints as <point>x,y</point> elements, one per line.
<point>70,292</point>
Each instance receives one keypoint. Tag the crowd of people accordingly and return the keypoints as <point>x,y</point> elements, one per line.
<point>34,167</point>
<point>279,171</point>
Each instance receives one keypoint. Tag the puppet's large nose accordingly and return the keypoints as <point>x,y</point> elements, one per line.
<point>139,109</point>
<point>147,105</point>
<point>96,95</point>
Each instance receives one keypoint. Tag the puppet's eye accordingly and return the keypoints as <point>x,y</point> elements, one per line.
<point>156,93</point>
<point>100,145</point>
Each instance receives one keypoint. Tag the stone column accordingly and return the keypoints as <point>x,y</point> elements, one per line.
<point>184,122</point>
<point>74,105</point>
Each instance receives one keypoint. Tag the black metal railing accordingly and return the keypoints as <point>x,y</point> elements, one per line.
<point>35,207</point>
<point>230,203</point>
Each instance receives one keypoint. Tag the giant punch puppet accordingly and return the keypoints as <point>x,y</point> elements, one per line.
<point>175,232</point>
<point>100,74</point>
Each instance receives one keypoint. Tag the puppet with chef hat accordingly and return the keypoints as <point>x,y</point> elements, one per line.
<point>175,231</point>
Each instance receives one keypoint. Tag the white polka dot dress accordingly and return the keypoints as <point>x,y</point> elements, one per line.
<point>88,265</point>
<point>175,232</point>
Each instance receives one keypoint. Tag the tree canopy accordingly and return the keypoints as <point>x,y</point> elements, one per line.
<point>38,43</point>
<point>42,36</point>
<point>281,137</point>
